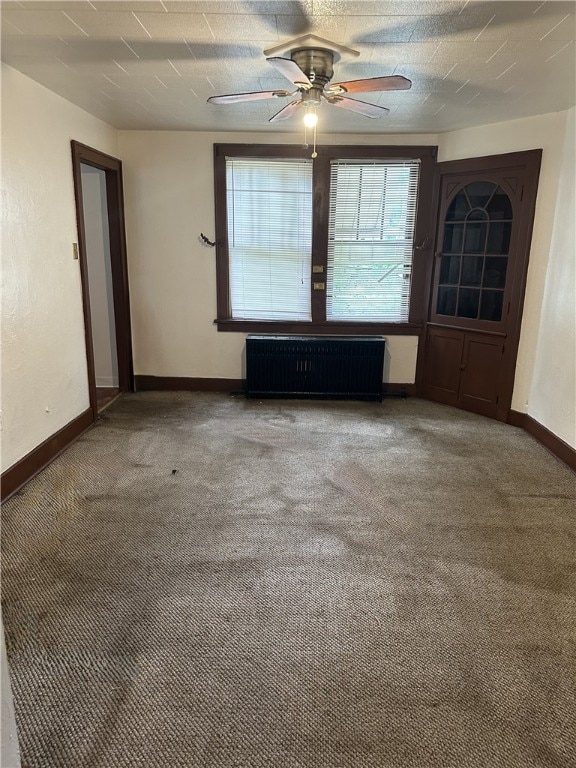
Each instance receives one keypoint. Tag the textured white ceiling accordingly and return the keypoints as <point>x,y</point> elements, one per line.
<point>151,64</point>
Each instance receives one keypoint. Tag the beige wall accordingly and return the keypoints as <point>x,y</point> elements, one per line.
<point>44,380</point>
<point>168,179</point>
<point>552,399</point>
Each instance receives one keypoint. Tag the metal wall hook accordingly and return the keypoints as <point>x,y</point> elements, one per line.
<point>205,240</point>
<point>423,244</point>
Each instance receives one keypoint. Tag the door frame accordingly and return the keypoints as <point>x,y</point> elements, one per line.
<point>82,154</point>
<point>528,164</point>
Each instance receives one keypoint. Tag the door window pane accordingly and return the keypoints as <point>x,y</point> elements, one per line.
<point>446,304</point>
<point>453,237</point>
<point>495,272</point>
<point>499,206</point>
<point>491,305</point>
<point>472,270</point>
<point>468,301</point>
<point>458,208</point>
<point>475,240</point>
<point>499,237</point>
<point>480,192</point>
<point>450,270</point>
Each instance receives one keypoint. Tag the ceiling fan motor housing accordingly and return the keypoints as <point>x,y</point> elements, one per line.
<point>316,63</point>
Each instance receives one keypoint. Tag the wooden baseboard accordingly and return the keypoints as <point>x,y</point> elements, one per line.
<point>408,390</point>
<point>28,467</point>
<point>185,384</point>
<point>517,419</point>
<point>548,439</point>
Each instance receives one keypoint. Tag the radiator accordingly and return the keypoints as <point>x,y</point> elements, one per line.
<point>339,367</point>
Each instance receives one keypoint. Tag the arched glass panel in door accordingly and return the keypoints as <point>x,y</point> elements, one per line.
<point>474,256</point>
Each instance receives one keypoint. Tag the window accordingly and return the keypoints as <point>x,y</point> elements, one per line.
<point>371,239</point>
<point>321,245</point>
<point>269,206</point>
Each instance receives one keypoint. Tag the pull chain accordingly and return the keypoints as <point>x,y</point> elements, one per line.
<point>314,153</point>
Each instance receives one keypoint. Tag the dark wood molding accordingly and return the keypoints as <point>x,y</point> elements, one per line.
<point>507,159</point>
<point>564,452</point>
<point>335,328</point>
<point>320,219</point>
<point>186,384</point>
<point>502,334</point>
<point>424,234</point>
<point>517,419</point>
<point>221,234</point>
<point>81,154</point>
<point>34,462</point>
<point>78,198</point>
<point>332,151</point>
<point>395,390</point>
<point>119,263</point>
<point>424,240</point>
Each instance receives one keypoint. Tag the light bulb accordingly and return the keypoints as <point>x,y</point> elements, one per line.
<point>310,119</point>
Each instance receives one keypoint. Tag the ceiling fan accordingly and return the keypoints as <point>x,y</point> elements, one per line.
<point>310,69</point>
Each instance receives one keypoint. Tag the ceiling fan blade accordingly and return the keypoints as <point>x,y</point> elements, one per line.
<point>390,83</point>
<point>362,107</point>
<point>232,98</point>
<point>298,14</point>
<point>475,17</point>
<point>290,70</point>
<point>287,112</point>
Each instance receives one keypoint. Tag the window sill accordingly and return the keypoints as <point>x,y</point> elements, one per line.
<point>275,326</point>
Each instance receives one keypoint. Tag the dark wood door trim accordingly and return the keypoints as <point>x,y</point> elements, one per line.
<point>81,154</point>
<point>527,166</point>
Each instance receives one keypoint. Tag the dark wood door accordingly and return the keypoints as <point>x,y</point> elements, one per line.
<point>484,226</point>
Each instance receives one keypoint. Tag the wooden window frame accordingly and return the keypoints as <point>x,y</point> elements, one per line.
<point>423,236</point>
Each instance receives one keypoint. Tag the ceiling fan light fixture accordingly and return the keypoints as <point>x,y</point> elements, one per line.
<point>310,119</point>
<point>310,123</point>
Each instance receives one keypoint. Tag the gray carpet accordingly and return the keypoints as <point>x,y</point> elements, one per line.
<point>317,585</point>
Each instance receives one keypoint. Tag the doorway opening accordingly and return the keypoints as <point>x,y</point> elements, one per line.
<point>103,269</point>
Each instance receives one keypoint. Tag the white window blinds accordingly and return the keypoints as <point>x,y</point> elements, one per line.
<point>269,204</point>
<point>370,239</point>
